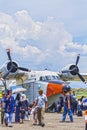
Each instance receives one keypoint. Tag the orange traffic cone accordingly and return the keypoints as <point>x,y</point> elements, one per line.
<point>85,119</point>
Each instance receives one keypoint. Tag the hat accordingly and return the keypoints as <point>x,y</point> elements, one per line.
<point>66,88</point>
<point>40,90</point>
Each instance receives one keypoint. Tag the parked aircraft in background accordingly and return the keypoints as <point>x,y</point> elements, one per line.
<point>49,81</point>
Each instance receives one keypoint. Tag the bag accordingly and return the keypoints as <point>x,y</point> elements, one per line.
<point>72,100</point>
<point>79,113</point>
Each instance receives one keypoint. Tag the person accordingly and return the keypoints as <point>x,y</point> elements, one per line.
<point>22,114</point>
<point>17,105</point>
<point>34,113</point>
<point>79,109</point>
<point>58,108</point>
<point>74,103</point>
<point>2,105</point>
<point>60,104</point>
<point>52,107</point>
<point>9,108</point>
<point>74,95</point>
<point>25,105</point>
<point>81,100</point>
<point>84,103</point>
<point>41,102</point>
<point>67,105</point>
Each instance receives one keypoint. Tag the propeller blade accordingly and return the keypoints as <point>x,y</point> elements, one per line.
<point>8,53</point>
<point>6,74</point>
<point>23,69</point>
<point>4,83</point>
<point>77,60</point>
<point>81,77</point>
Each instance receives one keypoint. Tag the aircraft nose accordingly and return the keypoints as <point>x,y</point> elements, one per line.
<point>54,87</point>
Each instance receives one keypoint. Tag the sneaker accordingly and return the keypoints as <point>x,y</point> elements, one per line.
<point>62,121</point>
<point>6,122</point>
<point>42,124</point>
<point>34,124</point>
<point>39,124</point>
<point>10,126</point>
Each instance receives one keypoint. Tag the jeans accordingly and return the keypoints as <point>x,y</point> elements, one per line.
<point>17,114</point>
<point>66,110</point>
<point>8,117</point>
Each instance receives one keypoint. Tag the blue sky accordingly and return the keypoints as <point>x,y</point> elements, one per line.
<point>44,33</point>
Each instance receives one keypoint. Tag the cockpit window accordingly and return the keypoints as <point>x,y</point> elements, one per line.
<point>49,77</point>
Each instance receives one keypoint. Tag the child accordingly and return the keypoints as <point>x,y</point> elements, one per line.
<point>34,112</point>
<point>22,115</point>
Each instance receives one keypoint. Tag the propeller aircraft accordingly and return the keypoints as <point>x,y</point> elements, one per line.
<point>49,81</point>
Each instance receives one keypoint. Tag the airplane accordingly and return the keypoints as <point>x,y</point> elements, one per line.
<point>49,81</point>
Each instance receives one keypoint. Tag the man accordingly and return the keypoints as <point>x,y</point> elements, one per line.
<point>2,104</point>
<point>41,102</point>
<point>74,102</point>
<point>67,104</point>
<point>9,108</point>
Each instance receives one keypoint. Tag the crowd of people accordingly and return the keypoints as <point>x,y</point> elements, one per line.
<point>20,106</point>
<point>69,104</point>
<point>22,109</point>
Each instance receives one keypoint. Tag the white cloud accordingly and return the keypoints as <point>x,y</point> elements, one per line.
<point>51,37</point>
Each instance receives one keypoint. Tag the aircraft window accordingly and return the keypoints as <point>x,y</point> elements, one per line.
<point>48,77</point>
<point>58,77</point>
<point>55,77</point>
<point>42,78</point>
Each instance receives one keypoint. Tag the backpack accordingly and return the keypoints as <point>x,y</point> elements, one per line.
<point>72,100</point>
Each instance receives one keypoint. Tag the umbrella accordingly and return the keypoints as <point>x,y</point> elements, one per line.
<point>16,90</point>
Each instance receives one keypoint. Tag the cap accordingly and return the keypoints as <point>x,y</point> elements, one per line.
<point>40,90</point>
<point>66,88</point>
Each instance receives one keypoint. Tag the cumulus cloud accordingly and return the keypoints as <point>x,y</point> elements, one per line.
<point>37,40</point>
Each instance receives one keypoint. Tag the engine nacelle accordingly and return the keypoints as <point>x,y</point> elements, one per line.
<point>70,71</point>
<point>7,66</point>
<point>14,66</point>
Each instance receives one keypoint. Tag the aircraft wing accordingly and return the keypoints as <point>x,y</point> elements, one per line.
<point>18,76</point>
<point>67,77</point>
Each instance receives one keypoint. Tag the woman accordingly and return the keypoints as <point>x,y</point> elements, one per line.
<point>18,105</point>
<point>25,105</point>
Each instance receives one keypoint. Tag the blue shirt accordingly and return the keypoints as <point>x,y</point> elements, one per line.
<point>67,97</point>
<point>9,104</point>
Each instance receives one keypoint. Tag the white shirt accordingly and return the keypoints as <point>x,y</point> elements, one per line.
<point>41,101</point>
